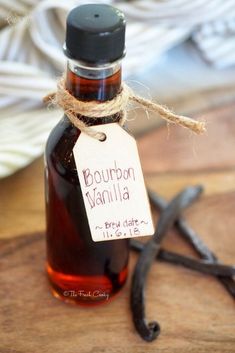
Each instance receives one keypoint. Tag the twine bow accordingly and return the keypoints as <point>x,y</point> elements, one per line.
<point>74,107</point>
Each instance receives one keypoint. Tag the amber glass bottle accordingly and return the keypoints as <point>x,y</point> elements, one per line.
<point>81,270</point>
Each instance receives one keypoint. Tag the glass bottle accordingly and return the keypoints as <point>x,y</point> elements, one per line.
<point>80,270</point>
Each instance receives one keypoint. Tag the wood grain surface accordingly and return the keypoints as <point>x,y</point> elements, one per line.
<point>195,312</point>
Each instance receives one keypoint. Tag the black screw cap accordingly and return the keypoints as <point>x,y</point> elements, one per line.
<point>95,34</point>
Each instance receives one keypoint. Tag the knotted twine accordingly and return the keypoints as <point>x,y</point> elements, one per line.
<point>73,108</point>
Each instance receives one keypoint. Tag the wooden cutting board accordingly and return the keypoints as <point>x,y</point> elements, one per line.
<point>195,312</point>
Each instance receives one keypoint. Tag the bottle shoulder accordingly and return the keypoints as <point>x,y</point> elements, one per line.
<point>62,131</point>
<point>59,147</point>
<point>60,144</point>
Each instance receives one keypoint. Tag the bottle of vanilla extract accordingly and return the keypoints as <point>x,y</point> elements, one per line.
<point>80,270</point>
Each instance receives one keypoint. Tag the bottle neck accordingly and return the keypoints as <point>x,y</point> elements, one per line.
<point>99,83</point>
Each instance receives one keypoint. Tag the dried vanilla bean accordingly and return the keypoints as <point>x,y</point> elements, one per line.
<point>193,238</point>
<point>188,233</point>
<point>203,266</point>
<point>206,267</point>
<point>150,331</point>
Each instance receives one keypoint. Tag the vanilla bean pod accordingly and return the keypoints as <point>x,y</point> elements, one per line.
<point>202,266</point>
<point>188,233</point>
<point>193,238</point>
<point>150,331</point>
<point>207,267</point>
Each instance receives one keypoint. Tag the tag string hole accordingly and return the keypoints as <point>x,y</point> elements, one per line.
<point>103,137</point>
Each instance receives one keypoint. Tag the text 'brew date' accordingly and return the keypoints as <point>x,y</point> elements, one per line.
<point>118,229</point>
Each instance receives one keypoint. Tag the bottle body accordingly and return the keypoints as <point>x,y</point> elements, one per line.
<point>79,269</point>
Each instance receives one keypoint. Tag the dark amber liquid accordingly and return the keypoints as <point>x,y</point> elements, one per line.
<point>79,270</point>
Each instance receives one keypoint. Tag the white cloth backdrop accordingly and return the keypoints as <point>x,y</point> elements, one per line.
<point>31,37</point>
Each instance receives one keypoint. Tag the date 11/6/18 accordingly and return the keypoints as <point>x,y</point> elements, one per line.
<point>129,232</point>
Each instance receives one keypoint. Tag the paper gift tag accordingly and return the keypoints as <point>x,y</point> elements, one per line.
<point>112,185</point>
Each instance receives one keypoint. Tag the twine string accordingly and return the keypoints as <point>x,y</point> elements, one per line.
<point>74,107</point>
